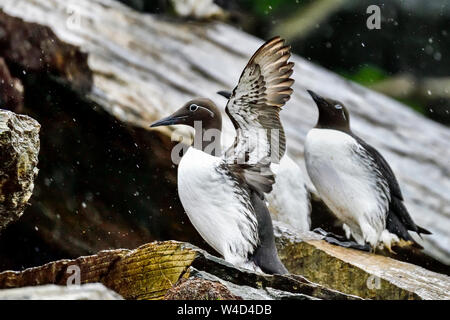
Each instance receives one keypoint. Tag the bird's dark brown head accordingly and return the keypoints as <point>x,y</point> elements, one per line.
<point>200,109</point>
<point>332,113</point>
<point>202,115</point>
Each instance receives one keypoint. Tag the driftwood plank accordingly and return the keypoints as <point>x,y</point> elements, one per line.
<point>149,271</point>
<point>145,273</point>
<point>370,276</point>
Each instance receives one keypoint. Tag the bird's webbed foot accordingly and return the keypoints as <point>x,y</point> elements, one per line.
<point>342,241</point>
<point>329,234</point>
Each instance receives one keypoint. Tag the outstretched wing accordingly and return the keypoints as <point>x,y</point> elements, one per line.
<point>255,103</point>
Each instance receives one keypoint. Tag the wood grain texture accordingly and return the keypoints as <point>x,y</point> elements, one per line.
<point>367,275</point>
<point>144,273</point>
<point>328,272</point>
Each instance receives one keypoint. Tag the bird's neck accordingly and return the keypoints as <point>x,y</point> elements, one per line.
<point>325,123</point>
<point>207,137</point>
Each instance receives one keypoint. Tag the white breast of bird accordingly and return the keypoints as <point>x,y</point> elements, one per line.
<point>346,182</point>
<point>215,207</point>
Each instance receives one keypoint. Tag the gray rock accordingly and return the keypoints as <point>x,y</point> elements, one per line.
<point>248,292</point>
<point>90,291</point>
<point>19,149</point>
<point>196,288</point>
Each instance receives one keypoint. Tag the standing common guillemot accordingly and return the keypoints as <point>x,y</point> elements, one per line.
<point>289,200</point>
<point>223,195</point>
<point>355,182</point>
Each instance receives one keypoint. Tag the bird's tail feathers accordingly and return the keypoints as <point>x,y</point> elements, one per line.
<point>421,230</point>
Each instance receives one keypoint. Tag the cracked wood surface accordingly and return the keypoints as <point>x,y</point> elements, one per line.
<point>149,271</point>
<point>145,273</point>
<point>367,275</point>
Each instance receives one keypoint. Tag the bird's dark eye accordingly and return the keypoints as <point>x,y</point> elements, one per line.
<point>193,107</point>
<point>338,106</point>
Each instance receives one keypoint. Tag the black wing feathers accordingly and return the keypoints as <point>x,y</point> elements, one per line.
<point>259,178</point>
<point>253,107</point>
<point>398,220</point>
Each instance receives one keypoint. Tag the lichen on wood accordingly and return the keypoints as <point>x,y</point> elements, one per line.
<point>144,273</point>
<point>367,275</point>
<point>328,272</point>
<point>149,271</point>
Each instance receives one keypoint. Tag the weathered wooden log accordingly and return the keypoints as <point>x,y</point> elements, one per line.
<point>150,271</point>
<point>370,276</point>
<point>19,149</point>
<point>144,67</point>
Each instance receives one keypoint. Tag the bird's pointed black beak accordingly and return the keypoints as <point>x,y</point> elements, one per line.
<point>224,93</point>
<point>320,101</point>
<point>167,121</point>
<point>315,96</point>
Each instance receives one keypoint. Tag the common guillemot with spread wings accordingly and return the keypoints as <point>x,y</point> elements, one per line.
<point>355,181</point>
<point>223,195</point>
<point>289,200</point>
